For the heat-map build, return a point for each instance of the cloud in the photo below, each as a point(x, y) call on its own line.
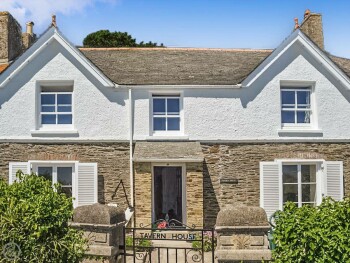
point(40, 11)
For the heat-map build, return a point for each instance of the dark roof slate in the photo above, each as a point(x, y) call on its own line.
point(175, 66)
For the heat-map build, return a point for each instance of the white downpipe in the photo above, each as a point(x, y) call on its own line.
point(131, 150)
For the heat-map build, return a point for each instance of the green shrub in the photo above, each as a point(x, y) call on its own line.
point(141, 245)
point(34, 216)
point(207, 242)
point(308, 234)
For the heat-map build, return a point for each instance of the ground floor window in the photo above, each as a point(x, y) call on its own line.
point(78, 180)
point(299, 183)
point(58, 174)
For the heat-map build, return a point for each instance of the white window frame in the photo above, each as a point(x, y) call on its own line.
point(54, 164)
point(295, 86)
point(56, 113)
point(50, 128)
point(320, 176)
point(167, 95)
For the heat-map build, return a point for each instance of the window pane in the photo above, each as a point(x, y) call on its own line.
point(303, 117)
point(288, 117)
point(288, 97)
point(290, 173)
point(64, 175)
point(64, 119)
point(159, 106)
point(173, 106)
point(159, 124)
point(47, 108)
point(67, 191)
point(47, 99)
point(173, 124)
point(303, 96)
point(45, 172)
point(64, 108)
point(290, 193)
point(308, 173)
point(308, 192)
point(64, 98)
point(48, 119)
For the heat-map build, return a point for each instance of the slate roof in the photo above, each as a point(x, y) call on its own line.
point(181, 66)
point(167, 151)
point(178, 66)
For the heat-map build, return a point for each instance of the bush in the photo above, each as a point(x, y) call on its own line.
point(308, 234)
point(141, 245)
point(207, 242)
point(34, 216)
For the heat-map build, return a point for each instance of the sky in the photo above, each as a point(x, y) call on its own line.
point(261, 24)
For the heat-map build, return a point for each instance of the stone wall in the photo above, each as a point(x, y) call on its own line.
point(10, 38)
point(112, 160)
point(241, 162)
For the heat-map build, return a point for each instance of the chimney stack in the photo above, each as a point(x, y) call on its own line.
point(30, 27)
point(28, 37)
point(313, 28)
point(10, 38)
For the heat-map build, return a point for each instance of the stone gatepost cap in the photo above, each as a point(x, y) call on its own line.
point(242, 216)
point(98, 214)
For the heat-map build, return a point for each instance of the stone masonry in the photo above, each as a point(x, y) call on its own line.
point(112, 161)
point(241, 162)
point(10, 38)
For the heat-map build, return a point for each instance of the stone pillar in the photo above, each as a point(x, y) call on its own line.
point(103, 227)
point(242, 235)
point(194, 194)
point(143, 194)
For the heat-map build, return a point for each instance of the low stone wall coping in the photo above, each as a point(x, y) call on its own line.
point(223, 228)
point(242, 216)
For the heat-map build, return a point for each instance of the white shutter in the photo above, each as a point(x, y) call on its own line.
point(270, 187)
point(87, 184)
point(334, 180)
point(14, 167)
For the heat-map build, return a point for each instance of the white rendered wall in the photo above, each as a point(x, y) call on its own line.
point(253, 113)
point(100, 113)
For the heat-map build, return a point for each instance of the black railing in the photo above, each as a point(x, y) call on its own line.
point(169, 244)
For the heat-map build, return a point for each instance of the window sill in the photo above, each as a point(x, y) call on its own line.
point(167, 137)
point(44, 132)
point(300, 132)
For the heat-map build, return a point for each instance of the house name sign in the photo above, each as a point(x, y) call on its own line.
point(174, 236)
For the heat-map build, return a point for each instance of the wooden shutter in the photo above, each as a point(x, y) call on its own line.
point(14, 167)
point(334, 180)
point(270, 187)
point(87, 184)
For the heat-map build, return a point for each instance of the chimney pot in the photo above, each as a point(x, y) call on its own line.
point(29, 29)
point(307, 13)
point(296, 21)
point(53, 23)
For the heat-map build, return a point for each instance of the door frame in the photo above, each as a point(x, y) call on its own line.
point(184, 192)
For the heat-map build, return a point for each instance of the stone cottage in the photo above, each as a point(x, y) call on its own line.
point(187, 130)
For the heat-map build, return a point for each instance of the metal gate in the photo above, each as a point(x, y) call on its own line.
point(168, 241)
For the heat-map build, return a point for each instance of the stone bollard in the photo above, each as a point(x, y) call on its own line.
point(103, 227)
point(242, 235)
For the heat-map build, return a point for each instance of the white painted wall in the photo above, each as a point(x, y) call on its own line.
point(227, 114)
point(253, 113)
point(100, 113)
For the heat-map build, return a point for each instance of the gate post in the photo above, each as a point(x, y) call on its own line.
point(103, 227)
point(242, 235)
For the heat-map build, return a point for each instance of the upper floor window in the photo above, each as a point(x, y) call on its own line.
point(166, 113)
point(56, 106)
point(296, 106)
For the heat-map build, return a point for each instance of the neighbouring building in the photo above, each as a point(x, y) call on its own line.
point(187, 130)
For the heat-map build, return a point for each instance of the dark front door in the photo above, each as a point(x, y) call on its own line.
point(167, 193)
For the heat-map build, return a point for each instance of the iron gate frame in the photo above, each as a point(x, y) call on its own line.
point(172, 226)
